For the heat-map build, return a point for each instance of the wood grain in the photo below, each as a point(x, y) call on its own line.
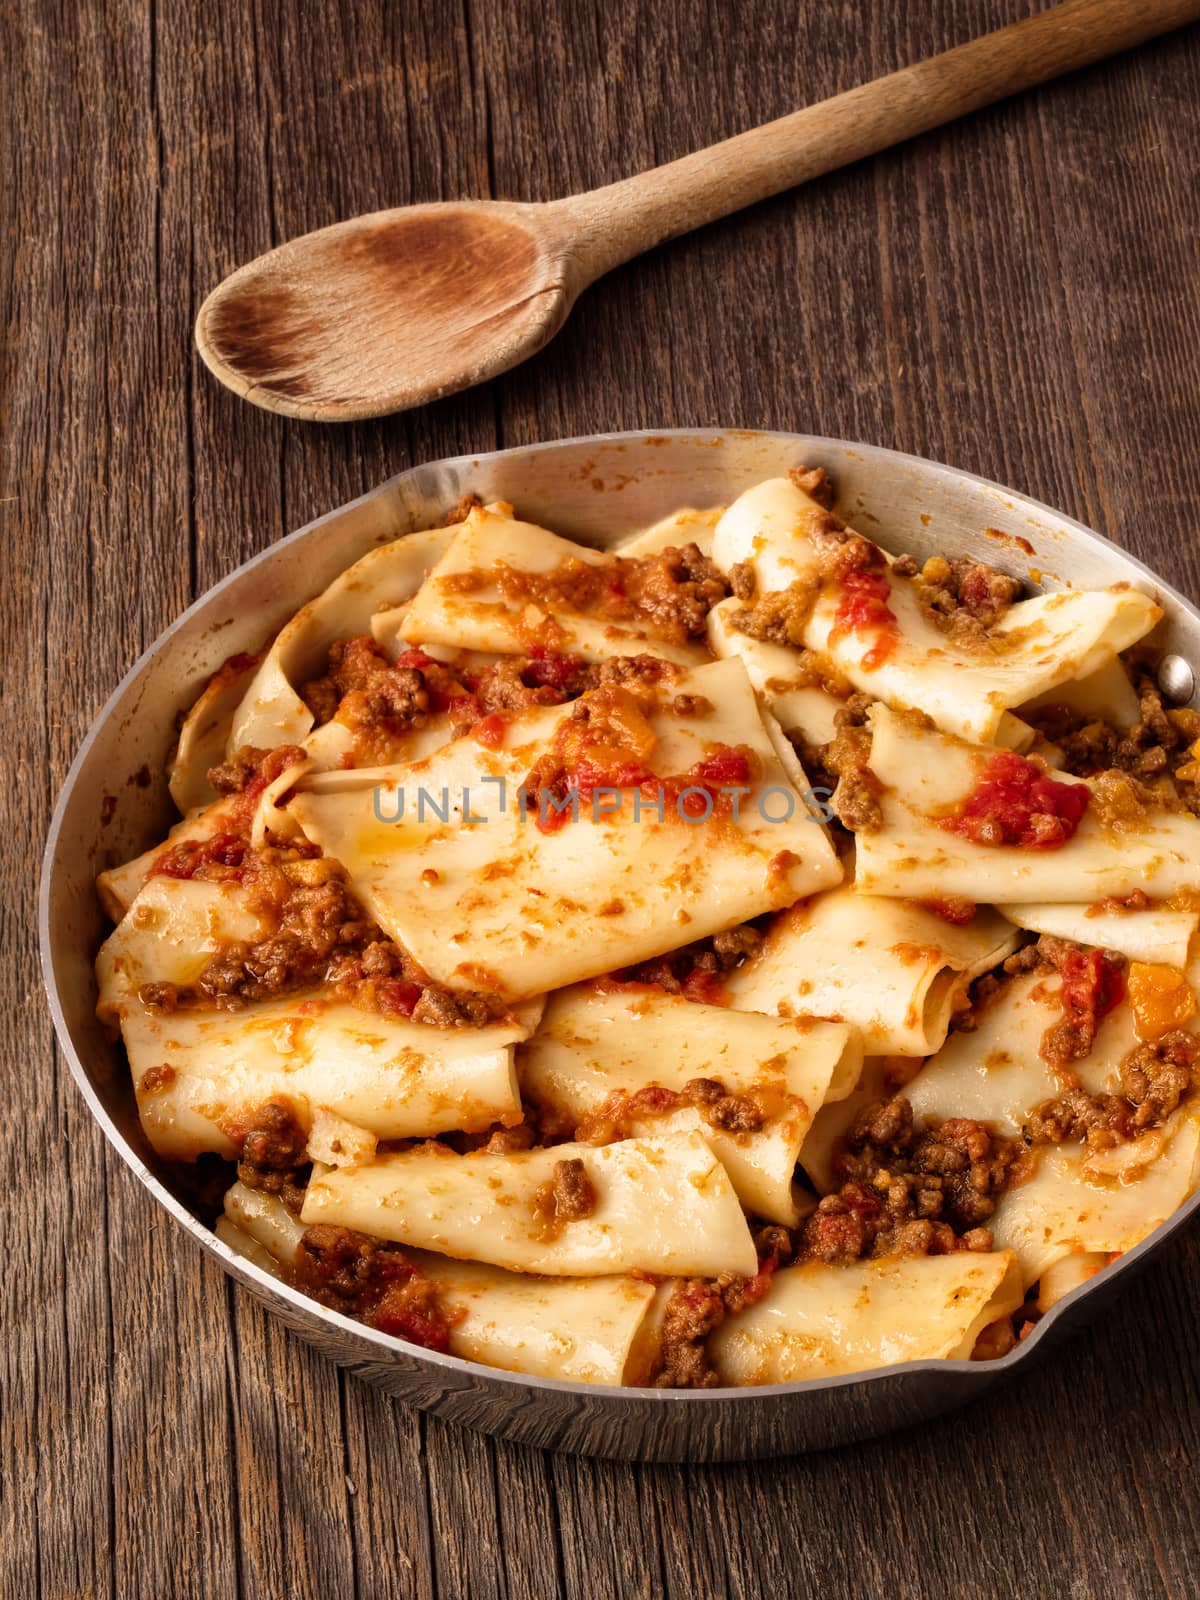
point(1016, 295)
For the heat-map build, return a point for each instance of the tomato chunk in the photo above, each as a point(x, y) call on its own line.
point(1017, 802)
point(1091, 986)
point(863, 608)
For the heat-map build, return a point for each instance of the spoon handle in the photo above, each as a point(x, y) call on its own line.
point(613, 224)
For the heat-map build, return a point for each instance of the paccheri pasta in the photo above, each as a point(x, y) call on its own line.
point(742, 957)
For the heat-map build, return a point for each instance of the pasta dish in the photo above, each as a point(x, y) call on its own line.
point(746, 956)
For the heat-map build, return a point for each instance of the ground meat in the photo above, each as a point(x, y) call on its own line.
point(845, 761)
point(501, 687)
point(1121, 803)
point(633, 672)
point(1154, 1079)
point(696, 970)
point(372, 1280)
point(815, 483)
point(159, 996)
point(735, 945)
point(1041, 955)
point(856, 801)
point(509, 1141)
point(691, 705)
point(996, 1340)
point(987, 593)
point(273, 1154)
point(695, 1310)
point(313, 922)
point(620, 1113)
point(365, 689)
point(382, 976)
point(567, 1196)
point(777, 618)
point(248, 772)
point(888, 1123)
point(516, 684)
point(380, 700)
point(782, 616)
point(855, 713)
point(1159, 742)
point(1069, 1039)
point(699, 1306)
point(155, 1079)
point(1075, 1116)
point(674, 590)
point(220, 858)
point(574, 1196)
point(233, 775)
point(460, 512)
point(447, 1008)
point(736, 1113)
point(1087, 746)
point(670, 593)
point(1144, 750)
point(320, 934)
point(742, 581)
point(911, 1192)
point(965, 598)
point(772, 1241)
point(834, 1232)
point(1092, 984)
point(980, 994)
point(905, 566)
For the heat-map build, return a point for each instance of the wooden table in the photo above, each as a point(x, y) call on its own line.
point(1017, 295)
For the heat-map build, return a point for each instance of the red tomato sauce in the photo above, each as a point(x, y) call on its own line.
point(1091, 986)
point(956, 912)
point(489, 732)
point(756, 1287)
point(190, 856)
point(863, 608)
point(547, 670)
point(726, 767)
point(1017, 802)
point(397, 997)
point(429, 1329)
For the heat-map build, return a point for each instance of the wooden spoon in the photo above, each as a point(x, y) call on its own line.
point(391, 310)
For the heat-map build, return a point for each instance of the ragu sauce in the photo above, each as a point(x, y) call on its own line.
point(611, 747)
point(1017, 802)
point(227, 854)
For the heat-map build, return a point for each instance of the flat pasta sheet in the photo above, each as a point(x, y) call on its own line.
point(586, 1330)
point(925, 776)
point(592, 1046)
point(500, 901)
point(201, 1073)
point(822, 1321)
point(893, 969)
point(776, 529)
point(663, 1205)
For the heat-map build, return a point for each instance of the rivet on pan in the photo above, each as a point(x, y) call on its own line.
point(1176, 679)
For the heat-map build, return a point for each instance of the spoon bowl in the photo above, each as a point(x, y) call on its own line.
point(389, 310)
